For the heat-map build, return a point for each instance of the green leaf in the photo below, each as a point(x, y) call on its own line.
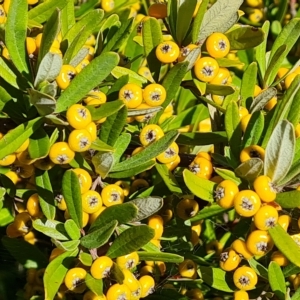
point(43, 11)
point(44, 104)
point(219, 18)
point(15, 138)
point(280, 151)
point(66, 246)
point(250, 169)
point(285, 244)
point(113, 126)
point(228, 174)
point(50, 32)
point(67, 18)
point(116, 41)
point(191, 115)
point(6, 216)
point(282, 109)
point(56, 271)
point(244, 37)
point(254, 129)
point(258, 268)
point(78, 58)
point(168, 178)
point(160, 256)
point(288, 36)
point(72, 229)
point(15, 34)
point(133, 77)
point(92, 21)
point(216, 89)
point(202, 138)
point(200, 187)
point(262, 99)
point(146, 207)
point(294, 113)
point(260, 51)
point(86, 258)
point(248, 84)
point(94, 285)
point(148, 153)
point(51, 228)
point(217, 278)
point(85, 7)
point(80, 162)
point(123, 213)
point(171, 83)
point(290, 269)
point(274, 65)
point(26, 254)
point(152, 37)
point(120, 146)
point(7, 184)
point(105, 110)
point(288, 199)
point(133, 171)
point(276, 280)
point(198, 20)
point(39, 144)
point(72, 196)
point(132, 239)
point(116, 274)
point(92, 75)
point(184, 18)
point(99, 236)
point(233, 128)
point(49, 68)
point(206, 213)
point(45, 192)
point(8, 75)
point(103, 163)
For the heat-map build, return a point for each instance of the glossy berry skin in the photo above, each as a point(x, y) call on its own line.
point(167, 52)
point(156, 222)
point(187, 208)
point(284, 221)
point(264, 188)
point(259, 242)
point(118, 292)
point(8, 160)
point(147, 285)
point(80, 140)
point(132, 283)
point(65, 76)
point(185, 51)
point(266, 217)
point(206, 69)
point(131, 94)
point(246, 203)
point(158, 10)
point(101, 267)
point(240, 295)
point(169, 154)
point(85, 179)
point(150, 134)
point(78, 116)
point(217, 45)
point(97, 95)
point(74, 280)
point(61, 153)
point(223, 77)
point(128, 261)
point(225, 193)
point(107, 5)
point(245, 278)
point(154, 94)
point(229, 260)
point(240, 247)
point(279, 258)
point(187, 269)
point(33, 206)
point(91, 201)
point(253, 151)
point(89, 295)
point(112, 194)
point(201, 167)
